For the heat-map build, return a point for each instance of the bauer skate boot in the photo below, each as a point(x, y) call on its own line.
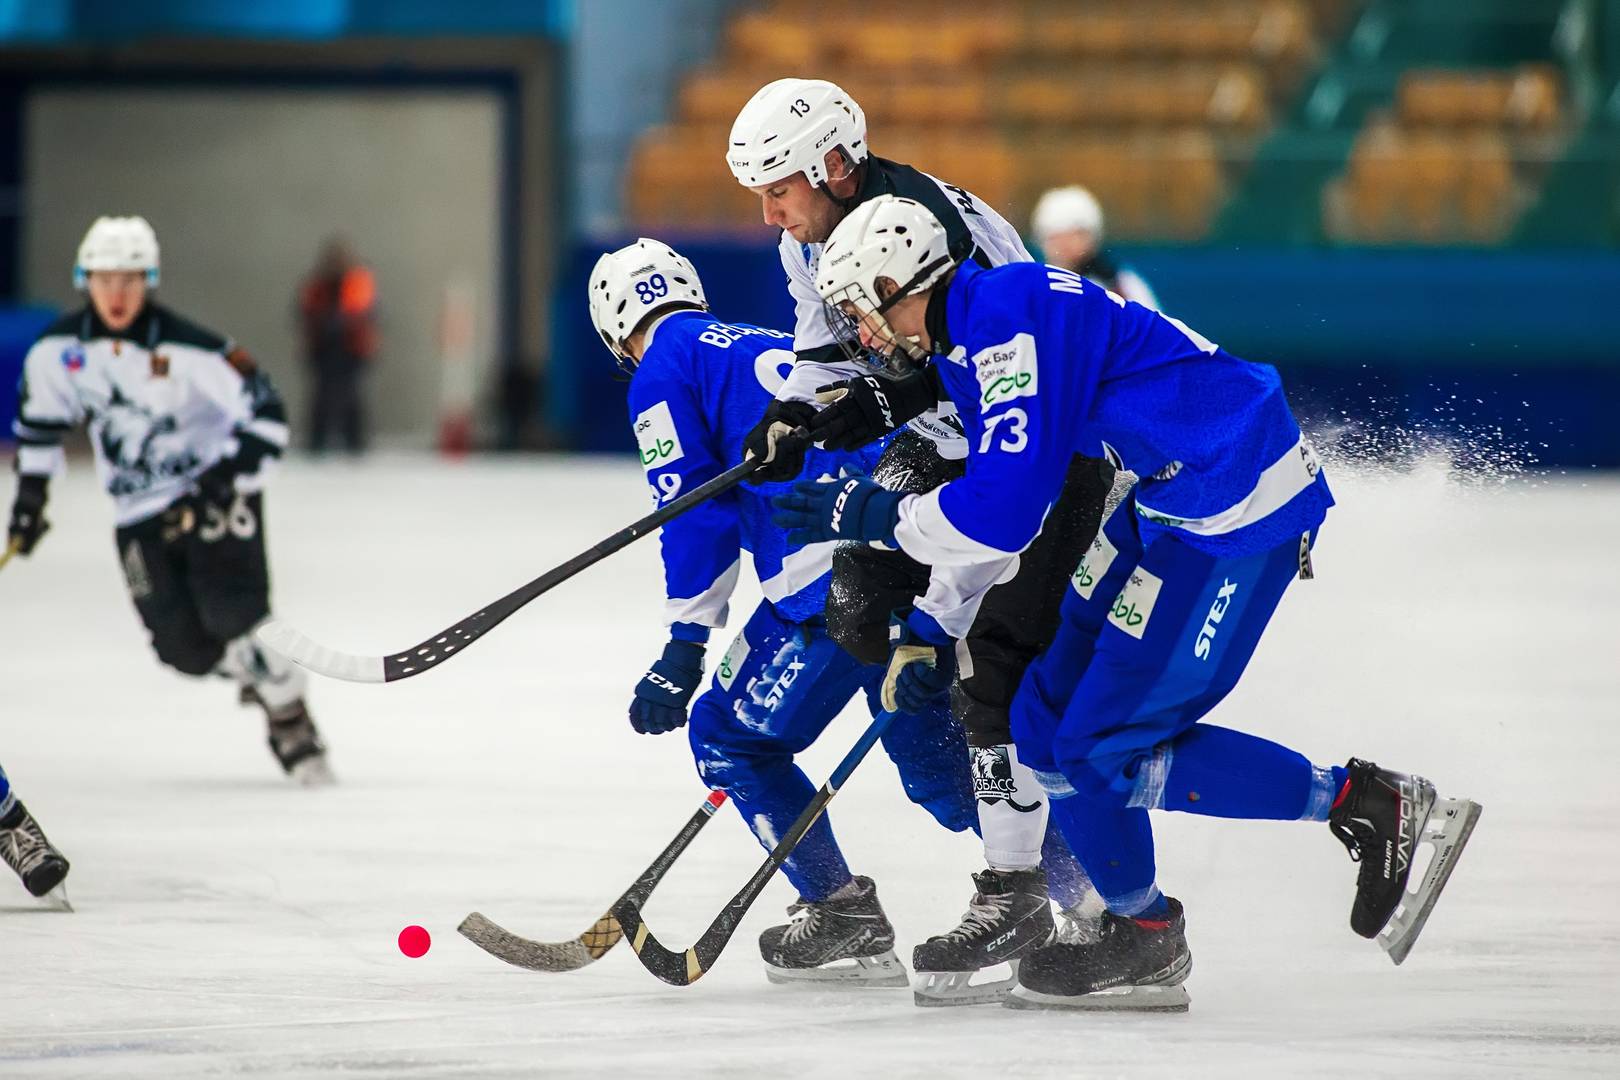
point(1135, 964)
point(1009, 916)
point(843, 942)
point(24, 848)
point(1382, 817)
point(298, 746)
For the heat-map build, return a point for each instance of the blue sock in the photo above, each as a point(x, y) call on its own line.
point(1218, 772)
point(817, 867)
point(7, 799)
point(1115, 845)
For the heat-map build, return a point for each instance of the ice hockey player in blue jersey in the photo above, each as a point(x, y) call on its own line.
point(24, 848)
point(1166, 607)
point(696, 387)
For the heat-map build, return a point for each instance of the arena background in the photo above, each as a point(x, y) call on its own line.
point(1412, 208)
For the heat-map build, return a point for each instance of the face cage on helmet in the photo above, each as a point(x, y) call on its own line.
point(907, 356)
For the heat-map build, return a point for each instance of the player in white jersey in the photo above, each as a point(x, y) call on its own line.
point(182, 422)
point(1068, 226)
point(801, 146)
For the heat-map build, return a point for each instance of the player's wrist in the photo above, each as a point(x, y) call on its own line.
point(687, 631)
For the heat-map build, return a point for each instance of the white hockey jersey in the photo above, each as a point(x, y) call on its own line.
point(164, 400)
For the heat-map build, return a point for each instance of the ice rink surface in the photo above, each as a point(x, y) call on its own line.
point(229, 924)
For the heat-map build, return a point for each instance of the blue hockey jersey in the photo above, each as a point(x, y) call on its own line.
point(1045, 364)
point(700, 387)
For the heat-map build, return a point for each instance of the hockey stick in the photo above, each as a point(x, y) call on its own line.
point(684, 969)
point(588, 947)
point(307, 652)
point(11, 549)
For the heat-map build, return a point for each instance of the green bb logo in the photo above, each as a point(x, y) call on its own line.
point(1126, 613)
point(1083, 576)
point(661, 449)
point(1007, 385)
point(725, 667)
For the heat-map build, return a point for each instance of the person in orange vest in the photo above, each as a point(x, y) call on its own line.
point(338, 304)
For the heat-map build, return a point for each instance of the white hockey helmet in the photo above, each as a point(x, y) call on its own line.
point(892, 237)
point(788, 127)
point(117, 243)
point(1066, 209)
point(635, 281)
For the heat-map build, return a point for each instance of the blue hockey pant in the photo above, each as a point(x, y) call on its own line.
point(1152, 637)
point(773, 692)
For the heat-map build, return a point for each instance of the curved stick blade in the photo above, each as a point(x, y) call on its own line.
point(306, 652)
point(676, 969)
point(537, 955)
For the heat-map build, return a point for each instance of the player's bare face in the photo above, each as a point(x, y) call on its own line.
point(804, 212)
point(117, 296)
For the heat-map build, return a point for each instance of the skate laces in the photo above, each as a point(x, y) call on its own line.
point(803, 920)
point(27, 847)
point(983, 914)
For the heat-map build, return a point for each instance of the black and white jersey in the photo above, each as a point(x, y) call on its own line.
point(973, 230)
point(164, 400)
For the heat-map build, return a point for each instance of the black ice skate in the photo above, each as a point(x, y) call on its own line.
point(844, 942)
point(1010, 915)
point(24, 848)
point(298, 746)
point(1135, 964)
point(1381, 817)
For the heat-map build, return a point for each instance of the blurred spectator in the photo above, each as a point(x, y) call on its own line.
point(338, 304)
point(1068, 226)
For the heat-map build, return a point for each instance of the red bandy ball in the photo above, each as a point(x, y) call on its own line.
point(414, 941)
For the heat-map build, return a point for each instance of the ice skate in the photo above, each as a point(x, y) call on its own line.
point(298, 746)
point(42, 868)
point(1382, 817)
point(1135, 964)
point(846, 942)
point(1010, 915)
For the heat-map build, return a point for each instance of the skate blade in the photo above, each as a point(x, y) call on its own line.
point(1446, 831)
point(313, 772)
point(57, 899)
point(945, 989)
point(1168, 999)
point(866, 972)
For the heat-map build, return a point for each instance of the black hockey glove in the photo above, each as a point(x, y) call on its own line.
point(865, 409)
point(773, 440)
point(216, 485)
point(28, 522)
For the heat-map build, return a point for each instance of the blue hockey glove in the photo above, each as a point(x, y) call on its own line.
point(922, 662)
point(664, 692)
point(853, 507)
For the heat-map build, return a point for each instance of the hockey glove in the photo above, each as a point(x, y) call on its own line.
point(922, 662)
point(28, 522)
point(774, 440)
point(664, 692)
point(216, 485)
point(863, 410)
point(853, 507)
